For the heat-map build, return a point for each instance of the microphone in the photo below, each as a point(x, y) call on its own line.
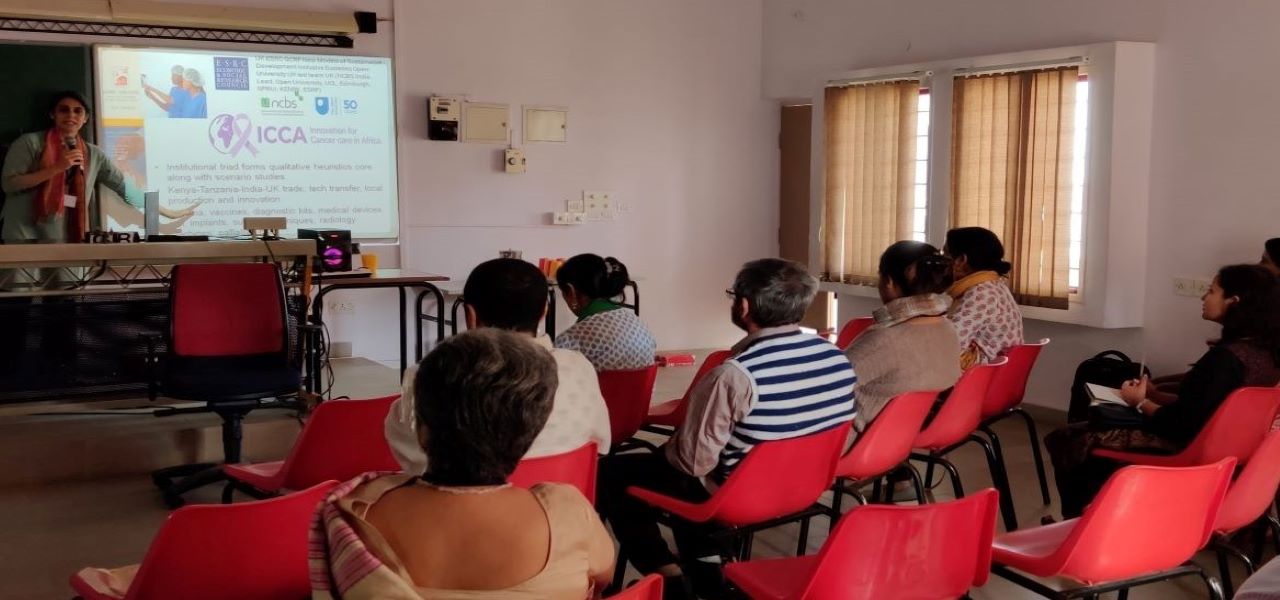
point(71, 143)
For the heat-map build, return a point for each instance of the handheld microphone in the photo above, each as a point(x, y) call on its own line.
point(71, 144)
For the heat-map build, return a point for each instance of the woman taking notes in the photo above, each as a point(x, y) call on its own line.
point(49, 179)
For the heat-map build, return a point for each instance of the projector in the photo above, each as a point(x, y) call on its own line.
point(333, 248)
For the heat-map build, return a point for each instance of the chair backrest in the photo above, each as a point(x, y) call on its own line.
point(226, 309)
point(1009, 384)
point(1236, 428)
point(248, 551)
point(1254, 490)
point(888, 440)
point(712, 361)
point(1145, 519)
point(930, 551)
point(341, 440)
point(627, 395)
point(780, 477)
point(649, 588)
point(575, 467)
point(852, 330)
point(962, 411)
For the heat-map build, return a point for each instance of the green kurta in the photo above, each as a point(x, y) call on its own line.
point(19, 205)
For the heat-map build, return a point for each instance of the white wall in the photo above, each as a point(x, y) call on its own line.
point(1213, 200)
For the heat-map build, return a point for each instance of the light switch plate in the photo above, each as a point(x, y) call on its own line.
point(575, 206)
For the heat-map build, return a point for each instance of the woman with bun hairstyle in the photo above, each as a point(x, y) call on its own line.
point(985, 315)
point(912, 345)
point(611, 336)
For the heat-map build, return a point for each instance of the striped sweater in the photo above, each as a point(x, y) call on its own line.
point(801, 384)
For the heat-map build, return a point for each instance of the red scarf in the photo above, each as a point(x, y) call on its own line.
point(49, 202)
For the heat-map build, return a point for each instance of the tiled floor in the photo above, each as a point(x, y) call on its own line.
point(49, 531)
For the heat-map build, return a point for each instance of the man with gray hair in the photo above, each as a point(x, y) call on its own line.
point(780, 383)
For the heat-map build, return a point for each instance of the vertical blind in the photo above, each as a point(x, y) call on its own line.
point(870, 134)
point(1011, 157)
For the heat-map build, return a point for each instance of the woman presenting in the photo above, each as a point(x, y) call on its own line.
point(49, 179)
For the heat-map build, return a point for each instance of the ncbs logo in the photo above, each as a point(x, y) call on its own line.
point(290, 104)
point(328, 105)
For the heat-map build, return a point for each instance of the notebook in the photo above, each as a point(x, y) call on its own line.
point(1101, 394)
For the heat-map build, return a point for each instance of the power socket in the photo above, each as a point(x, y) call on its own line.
point(1190, 287)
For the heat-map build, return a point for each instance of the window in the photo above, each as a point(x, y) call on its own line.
point(920, 207)
point(1076, 257)
point(873, 175)
point(1012, 164)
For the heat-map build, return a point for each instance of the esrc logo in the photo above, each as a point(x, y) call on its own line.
point(328, 105)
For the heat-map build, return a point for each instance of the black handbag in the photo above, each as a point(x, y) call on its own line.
point(1110, 368)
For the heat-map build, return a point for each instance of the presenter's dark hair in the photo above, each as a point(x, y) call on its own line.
point(596, 277)
point(507, 293)
point(72, 94)
point(482, 397)
point(980, 246)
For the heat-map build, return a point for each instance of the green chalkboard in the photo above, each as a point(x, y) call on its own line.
point(32, 73)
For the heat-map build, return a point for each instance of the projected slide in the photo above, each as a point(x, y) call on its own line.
point(304, 136)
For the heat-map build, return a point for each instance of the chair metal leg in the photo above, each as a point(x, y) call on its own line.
point(877, 492)
point(1000, 478)
point(917, 484)
point(935, 459)
point(619, 572)
point(228, 491)
point(1036, 454)
point(1215, 588)
point(1224, 572)
point(1124, 594)
point(802, 545)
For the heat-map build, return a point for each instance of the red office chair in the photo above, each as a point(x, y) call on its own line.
point(670, 414)
point(575, 467)
point(927, 552)
point(247, 551)
point(341, 440)
point(1004, 400)
point(1248, 502)
point(883, 448)
point(1235, 430)
point(649, 588)
point(627, 396)
point(778, 482)
point(955, 425)
point(1145, 526)
point(228, 348)
point(852, 330)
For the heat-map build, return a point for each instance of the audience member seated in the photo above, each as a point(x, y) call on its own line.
point(984, 312)
point(1271, 257)
point(912, 346)
point(779, 383)
point(1245, 300)
point(460, 530)
point(511, 294)
point(611, 336)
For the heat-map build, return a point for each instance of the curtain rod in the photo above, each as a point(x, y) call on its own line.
point(912, 76)
point(1045, 64)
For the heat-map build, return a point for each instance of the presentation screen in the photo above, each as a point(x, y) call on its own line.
point(237, 134)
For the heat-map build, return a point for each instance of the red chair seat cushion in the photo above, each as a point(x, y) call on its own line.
point(667, 413)
point(268, 476)
point(1027, 549)
point(772, 579)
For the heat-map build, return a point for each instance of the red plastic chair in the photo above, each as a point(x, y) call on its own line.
point(777, 483)
point(627, 396)
point(1004, 400)
point(341, 440)
point(1248, 502)
point(1144, 527)
point(575, 467)
point(932, 551)
point(248, 551)
point(649, 588)
point(852, 330)
point(883, 448)
point(671, 413)
point(1235, 430)
point(955, 425)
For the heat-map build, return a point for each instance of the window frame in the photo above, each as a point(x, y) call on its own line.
point(1117, 162)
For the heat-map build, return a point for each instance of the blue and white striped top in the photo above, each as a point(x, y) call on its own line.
point(801, 384)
